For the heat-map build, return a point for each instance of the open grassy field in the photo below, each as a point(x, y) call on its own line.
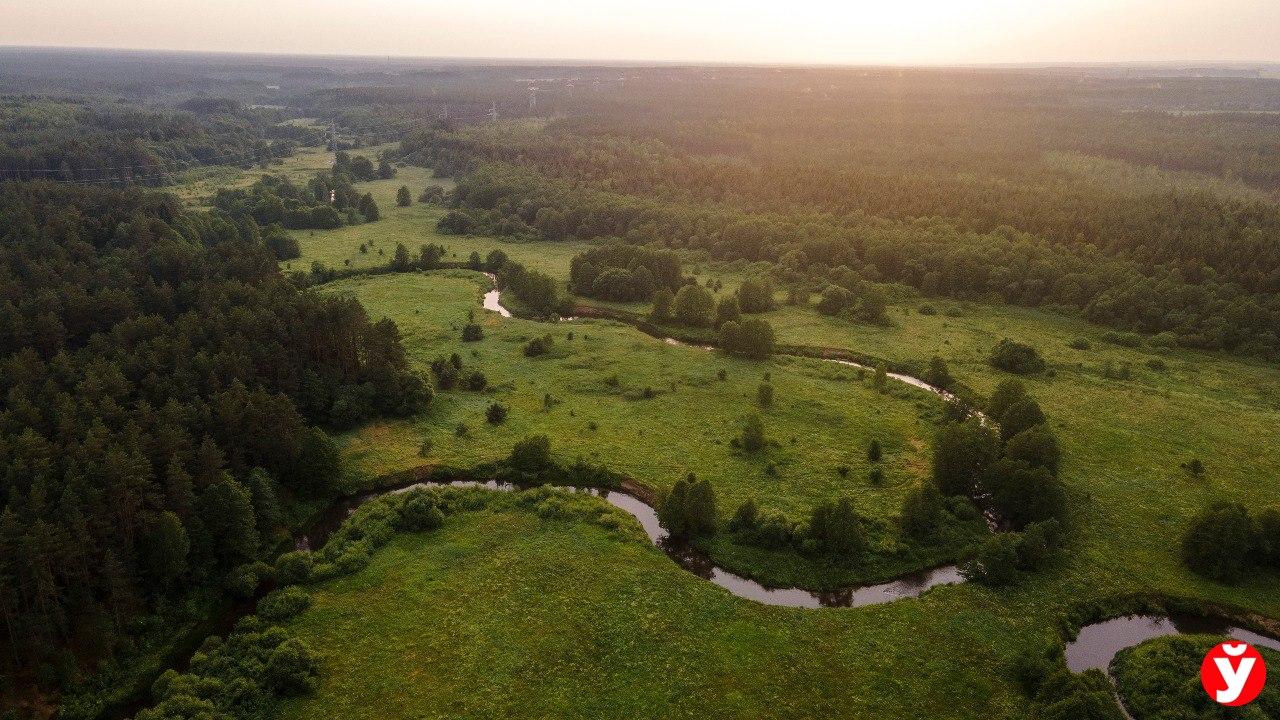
point(822, 416)
point(506, 614)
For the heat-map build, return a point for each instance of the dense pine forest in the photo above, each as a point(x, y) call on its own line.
point(166, 398)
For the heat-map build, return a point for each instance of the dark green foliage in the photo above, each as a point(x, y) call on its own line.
point(752, 338)
point(294, 568)
point(924, 510)
point(368, 208)
point(1268, 524)
point(495, 414)
point(236, 678)
point(475, 381)
point(662, 302)
point(291, 668)
point(164, 549)
point(834, 300)
point(474, 262)
point(403, 198)
point(689, 508)
point(538, 346)
point(399, 259)
point(495, 260)
point(1023, 494)
point(472, 332)
point(727, 309)
point(446, 372)
point(961, 454)
point(752, 439)
point(226, 511)
point(835, 529)
point(1220, 542)
point(1006, 393)
point(1153, 678)
point(152, 359)
point(1016, 357)
point(755, 294)
point(283, 604)
point(1038, 446)
point(319, 464)
point(536, 290)
point(996, 561)
point(746, 517)
point(1022, 415)
point(618, 271)
point(281, 243)
point(938, 375)
point(693, 305)
point(532, 455)
point(764, 394)
point(420, 512)
point(875, 476)
point(874, 451)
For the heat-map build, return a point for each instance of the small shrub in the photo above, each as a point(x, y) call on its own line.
point(1156, 364)
point(1080, 344)
point(752, 439)
point(283, 604)
point(472, 332)
point(291, 668)
point(424, 450)
point(476, 381)
point(293, 568)
point(876, 476)
point(420, 512)
point(873, 451)
point(538, 346)
point(462, 430)
point(1016, 357)
point(764, 394)
point(496, 414)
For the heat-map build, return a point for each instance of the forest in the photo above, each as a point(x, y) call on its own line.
point(404, 388)
point(168, 399)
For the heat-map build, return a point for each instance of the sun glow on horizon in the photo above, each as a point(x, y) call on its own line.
point(802, 31)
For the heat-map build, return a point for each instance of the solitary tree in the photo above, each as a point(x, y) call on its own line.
point(693, 305)
point(1219, 542)
point(403, 198)
point(753, 434)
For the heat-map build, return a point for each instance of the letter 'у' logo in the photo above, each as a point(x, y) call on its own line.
point(1233, 673)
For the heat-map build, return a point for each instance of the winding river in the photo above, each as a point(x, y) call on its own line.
point(686, 556)
point(1094, 647)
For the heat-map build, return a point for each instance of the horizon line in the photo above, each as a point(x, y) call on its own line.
point(569, 61)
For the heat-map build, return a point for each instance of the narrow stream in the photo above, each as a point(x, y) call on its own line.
point(1098, 644)
point(493, 303)
point(686, 556)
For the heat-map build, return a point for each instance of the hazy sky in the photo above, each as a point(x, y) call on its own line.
point(787, 31)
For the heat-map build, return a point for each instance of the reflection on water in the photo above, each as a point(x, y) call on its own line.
point(686, 556)
point(1098, 644)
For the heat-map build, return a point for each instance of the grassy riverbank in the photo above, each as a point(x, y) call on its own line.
point(507, 614)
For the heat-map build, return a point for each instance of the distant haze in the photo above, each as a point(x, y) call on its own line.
point(786, 31)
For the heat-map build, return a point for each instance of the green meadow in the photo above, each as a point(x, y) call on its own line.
point(508, 614)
